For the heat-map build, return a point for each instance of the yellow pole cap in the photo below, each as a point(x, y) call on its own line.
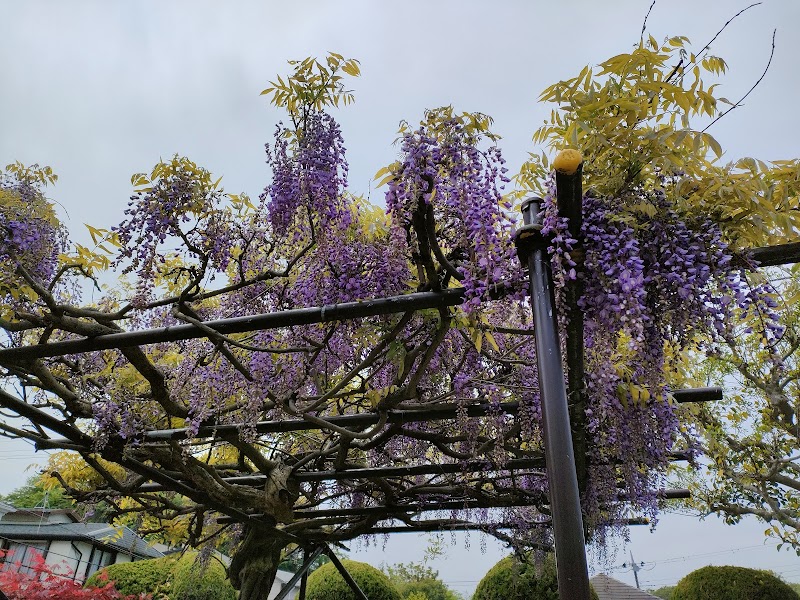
point(568, 161)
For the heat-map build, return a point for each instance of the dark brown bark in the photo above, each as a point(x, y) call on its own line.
point(255, 564)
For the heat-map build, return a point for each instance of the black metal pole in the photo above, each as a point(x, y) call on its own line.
point(300, 575)
point(430, 528)
point(276, 320)
point(360, 595)
point(565, 504)
point(442, 412)
point(303, 584)
point(258, 480)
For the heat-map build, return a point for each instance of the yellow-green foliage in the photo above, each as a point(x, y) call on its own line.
point(732, 583)
point(314, 84)
point(174, 578)
point(327, 584)
point(635, 119)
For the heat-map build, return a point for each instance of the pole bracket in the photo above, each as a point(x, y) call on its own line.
point(529, 238)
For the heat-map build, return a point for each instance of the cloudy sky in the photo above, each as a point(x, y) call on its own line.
point(100, 90)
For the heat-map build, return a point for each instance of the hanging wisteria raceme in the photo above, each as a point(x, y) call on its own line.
point(176, 216)
point(31, 238)
point(655, 282)
point(445, 166)
point(309, 176)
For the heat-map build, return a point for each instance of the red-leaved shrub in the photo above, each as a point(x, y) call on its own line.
point(42, 582)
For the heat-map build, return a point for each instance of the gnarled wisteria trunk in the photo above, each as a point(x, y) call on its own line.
point(255, 564)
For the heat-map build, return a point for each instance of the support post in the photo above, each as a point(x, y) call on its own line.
point(301, 575)
point(301, 595)
point(569, 200)
point(573, 576)
point(360, 595)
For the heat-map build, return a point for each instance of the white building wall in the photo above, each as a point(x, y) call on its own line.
point(69, 557)
point(280, 580)
point(29, 515)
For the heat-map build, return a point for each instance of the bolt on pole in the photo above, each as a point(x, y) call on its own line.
point(573, 576)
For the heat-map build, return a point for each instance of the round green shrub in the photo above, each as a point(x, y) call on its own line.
point(190, 581)
point(176, 579)
point(139, 577)
point(732, 583)
point(327, 584)
point(511, 579)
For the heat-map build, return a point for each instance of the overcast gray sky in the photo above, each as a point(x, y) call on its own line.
point(100, 90)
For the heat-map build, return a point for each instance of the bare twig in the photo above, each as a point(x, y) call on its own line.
point(644, 23)
point(728, 22)
point(677, 67)
point(739, 102)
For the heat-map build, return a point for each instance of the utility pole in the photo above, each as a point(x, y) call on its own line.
point(635, 568)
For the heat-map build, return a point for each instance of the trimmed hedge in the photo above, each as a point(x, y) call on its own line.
point(177, 579)
point(139, 577)
point(511, 579)
point(327, 584)
point(732, 583)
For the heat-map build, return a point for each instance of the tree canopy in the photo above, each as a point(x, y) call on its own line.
point(205, 385)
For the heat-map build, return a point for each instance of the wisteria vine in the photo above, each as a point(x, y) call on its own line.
point(657, 283)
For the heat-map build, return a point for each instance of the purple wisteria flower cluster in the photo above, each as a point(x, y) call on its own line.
point(31, 238)
point(653, 279)
point(309, 175)
point(179, 205)
point(443, 165)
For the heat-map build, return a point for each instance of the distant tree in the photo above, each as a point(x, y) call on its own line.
point(751, 438)
point(664, 592)
point(416, 579)
point(33, 493)
point(295, 560)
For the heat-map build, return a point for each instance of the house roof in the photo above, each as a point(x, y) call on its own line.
point(36, 515)
point(120, 539)
point(608, 588)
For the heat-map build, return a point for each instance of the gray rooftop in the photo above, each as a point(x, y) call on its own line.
point(102, 534)
point(608, 588)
